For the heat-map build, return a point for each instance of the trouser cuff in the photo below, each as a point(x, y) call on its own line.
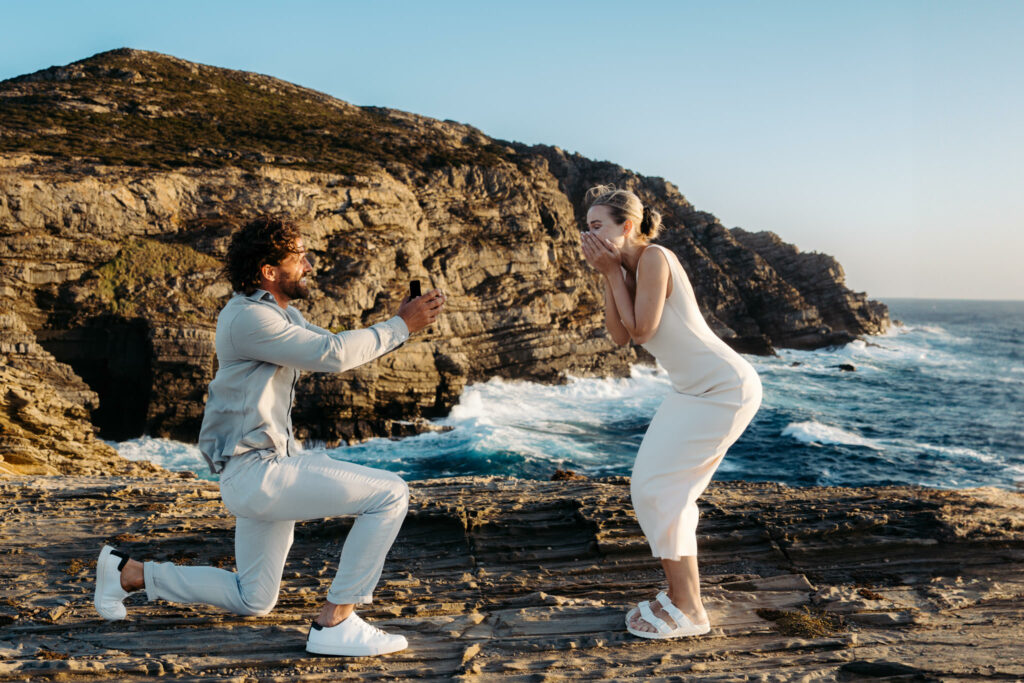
point(149, 576)
point(349, 599)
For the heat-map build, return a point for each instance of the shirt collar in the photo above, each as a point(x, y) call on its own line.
point(260, 295)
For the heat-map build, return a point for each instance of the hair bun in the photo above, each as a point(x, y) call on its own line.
point(651, 223)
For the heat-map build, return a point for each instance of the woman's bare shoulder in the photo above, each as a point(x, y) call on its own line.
point(654, 255)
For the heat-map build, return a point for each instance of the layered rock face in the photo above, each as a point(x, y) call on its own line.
point(123, 176)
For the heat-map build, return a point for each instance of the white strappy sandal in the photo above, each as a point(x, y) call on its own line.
point(683, 627)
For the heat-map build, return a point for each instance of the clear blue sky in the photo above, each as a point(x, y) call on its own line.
point(886, 133)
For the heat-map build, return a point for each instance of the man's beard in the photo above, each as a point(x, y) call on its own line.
point(294, 289)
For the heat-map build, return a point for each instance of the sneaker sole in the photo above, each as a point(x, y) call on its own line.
point(326, 650)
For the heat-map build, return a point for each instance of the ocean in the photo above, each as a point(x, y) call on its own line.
point(938, 402)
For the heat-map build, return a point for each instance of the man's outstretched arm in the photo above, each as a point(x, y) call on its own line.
point(261, 333)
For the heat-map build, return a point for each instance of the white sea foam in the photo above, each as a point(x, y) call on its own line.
point(532, 422)
point(499, 401)
point(958, 452)
point(881, 354)
point(173, 455)
point(935, 330)
point(545, 422)
point(817, 433)
point(537, 422)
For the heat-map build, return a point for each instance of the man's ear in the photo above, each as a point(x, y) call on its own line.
point(268, 272)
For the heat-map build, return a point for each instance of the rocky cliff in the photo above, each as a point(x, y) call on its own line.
point(122, 177)
point(45, 413)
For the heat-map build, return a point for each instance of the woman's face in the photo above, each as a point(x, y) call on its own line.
point(601, 223)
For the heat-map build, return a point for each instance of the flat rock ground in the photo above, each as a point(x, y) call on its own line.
point(503, 579)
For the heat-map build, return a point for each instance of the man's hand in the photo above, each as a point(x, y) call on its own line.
point(423, 310)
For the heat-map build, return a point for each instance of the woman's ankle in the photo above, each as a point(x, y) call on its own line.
point(692, 607)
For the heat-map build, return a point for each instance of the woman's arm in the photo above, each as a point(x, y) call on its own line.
point(595, 257)
point(640, 315)
point(612, 322)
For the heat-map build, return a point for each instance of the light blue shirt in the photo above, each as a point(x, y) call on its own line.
point(261, 349)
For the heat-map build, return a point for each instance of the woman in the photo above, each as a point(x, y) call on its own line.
point(648, 299)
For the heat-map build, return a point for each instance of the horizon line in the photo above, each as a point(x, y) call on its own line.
point(944, 298)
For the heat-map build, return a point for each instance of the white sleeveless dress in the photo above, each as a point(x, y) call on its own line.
point(716, 395)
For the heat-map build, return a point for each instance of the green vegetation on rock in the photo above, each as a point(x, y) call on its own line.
point(145, 269)
point(128, 107)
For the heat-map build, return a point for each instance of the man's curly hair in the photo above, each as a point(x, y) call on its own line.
point(266, 240)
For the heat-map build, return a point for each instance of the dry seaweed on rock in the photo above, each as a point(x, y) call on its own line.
point(803, 622)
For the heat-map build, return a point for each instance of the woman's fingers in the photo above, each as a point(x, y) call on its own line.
point(596, 244)
point(598, 252)
point(588, 252)
point(592, 249)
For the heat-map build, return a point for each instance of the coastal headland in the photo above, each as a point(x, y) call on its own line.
point(123, 175)
point(514, 580)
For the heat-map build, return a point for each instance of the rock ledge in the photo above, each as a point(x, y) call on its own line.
point(504, 579)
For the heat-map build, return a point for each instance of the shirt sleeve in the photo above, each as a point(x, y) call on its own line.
point(262, 334)
point(314, 328)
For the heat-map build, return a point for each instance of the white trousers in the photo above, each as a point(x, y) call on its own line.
point(268, 493)
point(681, 450)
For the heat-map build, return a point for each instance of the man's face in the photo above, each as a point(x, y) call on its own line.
point(292, 273)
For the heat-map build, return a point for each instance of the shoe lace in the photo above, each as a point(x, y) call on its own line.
point(373, 629)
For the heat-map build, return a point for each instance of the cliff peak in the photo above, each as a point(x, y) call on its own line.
point(146, 109)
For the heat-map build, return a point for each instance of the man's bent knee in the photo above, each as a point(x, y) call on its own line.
point(256, 608)
point(256, 604)
point(401, 494)
point(397, 499)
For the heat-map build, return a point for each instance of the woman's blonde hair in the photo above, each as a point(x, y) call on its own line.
point(624, 204)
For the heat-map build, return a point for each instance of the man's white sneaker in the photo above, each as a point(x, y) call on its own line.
point(109, 595)
point(352, 638)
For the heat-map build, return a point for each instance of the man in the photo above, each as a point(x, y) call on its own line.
point(246, 436)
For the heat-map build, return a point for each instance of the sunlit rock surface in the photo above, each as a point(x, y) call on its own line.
point(498, 579)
